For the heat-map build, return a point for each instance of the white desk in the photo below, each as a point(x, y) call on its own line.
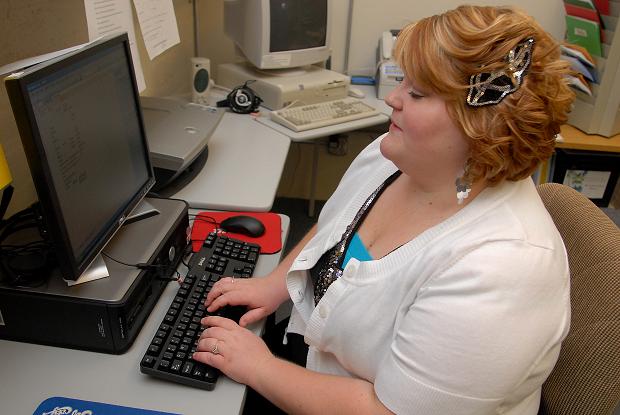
point(247, 156)
point(32, 373)
point(310, 135)
point(313, 136)
point(243, 169)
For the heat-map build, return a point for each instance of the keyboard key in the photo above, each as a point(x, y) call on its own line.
point(153, 349)
point(211, 373)
point(187, 368)
point(148, 361)
point(164, 365)
point(176, 365)
point(198, 372)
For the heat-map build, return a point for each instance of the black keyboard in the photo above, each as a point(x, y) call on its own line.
point(169, 356)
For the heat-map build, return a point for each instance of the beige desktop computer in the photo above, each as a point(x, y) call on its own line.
point(281, 87)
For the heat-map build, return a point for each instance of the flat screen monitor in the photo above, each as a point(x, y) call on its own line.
point(275, 34)
point(81, 126)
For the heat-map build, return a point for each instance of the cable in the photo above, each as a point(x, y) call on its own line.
point(139, 265)
point(203, 217)
point(28, 263)
point(294, 102)
point(221, 87)
point(145, 266)
point(22, 216)
point(7, 194)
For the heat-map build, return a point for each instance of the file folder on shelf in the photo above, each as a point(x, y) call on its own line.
point(584, 32)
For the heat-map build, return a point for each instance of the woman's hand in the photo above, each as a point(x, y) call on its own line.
point(262, 296)
point(234, 350)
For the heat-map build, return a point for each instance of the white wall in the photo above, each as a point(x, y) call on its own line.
point(371, 17)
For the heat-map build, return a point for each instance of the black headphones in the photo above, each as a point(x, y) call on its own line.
point(241, 100)
point(29, 264)
point(27, 268)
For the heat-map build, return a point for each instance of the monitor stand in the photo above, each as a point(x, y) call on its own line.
point(95, 271)
point(98, 268)
point(142, 211)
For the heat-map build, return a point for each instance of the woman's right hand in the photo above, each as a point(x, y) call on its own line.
point(262, 296)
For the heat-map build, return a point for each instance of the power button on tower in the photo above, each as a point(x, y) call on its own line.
point(172, 253)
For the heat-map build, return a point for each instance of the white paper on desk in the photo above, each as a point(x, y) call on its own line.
point(105, 17)
point(158, 24)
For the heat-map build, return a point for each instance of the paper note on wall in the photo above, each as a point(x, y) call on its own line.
point(105, 17)
point(158, 24)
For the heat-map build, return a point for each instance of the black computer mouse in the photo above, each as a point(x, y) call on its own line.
point(244, 225)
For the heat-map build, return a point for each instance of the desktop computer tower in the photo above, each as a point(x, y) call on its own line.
point(281, 87)
point(104, 315)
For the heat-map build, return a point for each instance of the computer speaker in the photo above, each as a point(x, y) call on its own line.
point(201, 80)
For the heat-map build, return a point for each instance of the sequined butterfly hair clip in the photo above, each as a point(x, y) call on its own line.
point(491, 88)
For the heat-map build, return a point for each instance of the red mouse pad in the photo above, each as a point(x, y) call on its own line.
point(270, 242)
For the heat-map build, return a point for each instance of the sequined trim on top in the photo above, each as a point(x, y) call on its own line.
point(331, 269)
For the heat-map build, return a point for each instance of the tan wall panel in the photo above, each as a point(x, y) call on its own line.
point(34, 27)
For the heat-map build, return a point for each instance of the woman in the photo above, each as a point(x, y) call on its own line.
point(435, 281)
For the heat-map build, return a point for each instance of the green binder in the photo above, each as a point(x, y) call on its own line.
point(584, 32)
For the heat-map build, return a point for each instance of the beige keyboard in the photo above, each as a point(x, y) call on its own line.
point(307, 117)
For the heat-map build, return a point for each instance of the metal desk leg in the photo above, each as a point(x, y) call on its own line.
point(315, 167)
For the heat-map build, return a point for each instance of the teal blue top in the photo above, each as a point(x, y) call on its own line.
point(356, 250)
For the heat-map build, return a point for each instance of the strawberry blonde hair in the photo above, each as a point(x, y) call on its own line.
point(510, 139)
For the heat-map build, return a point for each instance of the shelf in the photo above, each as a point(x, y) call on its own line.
point(578, 140)
point(599, 113)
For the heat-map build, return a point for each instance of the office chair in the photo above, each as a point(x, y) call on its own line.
point(586, 378)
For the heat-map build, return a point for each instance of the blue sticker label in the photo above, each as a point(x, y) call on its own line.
point(67, 406)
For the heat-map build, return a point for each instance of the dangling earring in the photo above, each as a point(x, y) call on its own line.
point(463, 186)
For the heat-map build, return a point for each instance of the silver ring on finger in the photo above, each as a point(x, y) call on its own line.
point(214, 350)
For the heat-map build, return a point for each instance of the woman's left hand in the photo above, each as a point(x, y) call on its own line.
point(233, 349)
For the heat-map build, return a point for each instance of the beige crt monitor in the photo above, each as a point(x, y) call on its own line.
point(280, 34)
point(282, 41)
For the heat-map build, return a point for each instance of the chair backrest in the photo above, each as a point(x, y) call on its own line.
point(586, 378)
